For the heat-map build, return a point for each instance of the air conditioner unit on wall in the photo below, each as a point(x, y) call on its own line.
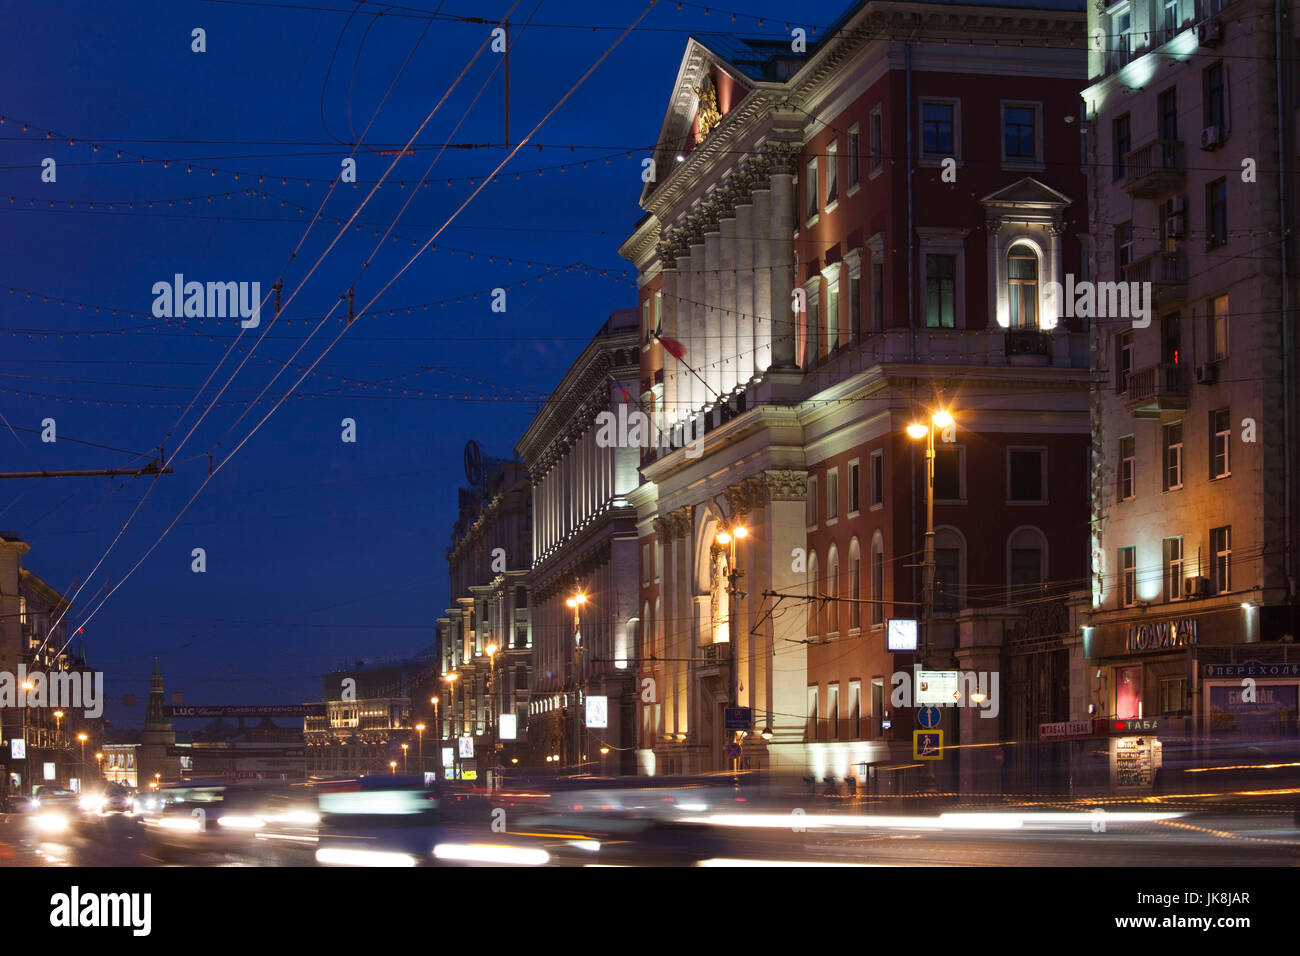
point(1210, 32)
point(1197, 587)
point(1207, 374)
point(1210, 138)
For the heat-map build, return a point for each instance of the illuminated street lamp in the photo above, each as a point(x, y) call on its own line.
point(491, 651)
point(576, 602)
point(451, 677)
point(58, 727)
point(404, 746)
point(419, 729)
point(83, 738)
point(99, 764)
point(734, 594)
point(393, 765)
point(940, 419)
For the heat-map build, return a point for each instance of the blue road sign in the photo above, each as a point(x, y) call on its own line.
point(733, 751)
point(927, 745)
point(928, 717)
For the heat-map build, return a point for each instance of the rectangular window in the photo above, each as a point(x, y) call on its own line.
point(1128, 576)
point(1220, 442)
point(1219, 327)
point(877, 478)
point(1169, 23)
point(1123, 361)
point(855, 307)
point(1019, 132)
point(1173, 445)
point(1173, 695)
point(1221, 552)
point(855, 489)
point(948, 484)
point(855, 709)
point(832, 494)
point(938, 126)
point(812, 501)
point(645, 564)
point(659, 311)
point(1168, 107)
point(1127, 468)
point(876, 131)
point(832, 174)
point(877, 707)
point(1121, 143)
point(1121, 29)
point(833, 711)
point(812, 714)
point(1216, 214)
point(832, 318)
point(646, 327)
point(810, 191)
point(659, 558)
point(1123, 247)
point(1173, 561)
point(877, 586)
point(1025, 474)
point(877, 296)
point(1214, 100)
point(854, 156)
point(940, 291)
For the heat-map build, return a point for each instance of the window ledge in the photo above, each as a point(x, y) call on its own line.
point(853, 514)
point(811, 222)
point(875, 172)
point(937, 160)
point(831, 522)
point(950, 501)
point(877, 506)
point(831, 206)
point(853, 189)
point(1032, 502)
point(1024, 165)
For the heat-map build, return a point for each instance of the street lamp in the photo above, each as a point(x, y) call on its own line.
point(419, 729)
point(83, 738)
point(99, 764)
point(58, 727)
point(404, 746)
point(728, 539)
point(450, 677)
point(940, 419)
point(491, 651)
point(393, 765)
point(576, 602)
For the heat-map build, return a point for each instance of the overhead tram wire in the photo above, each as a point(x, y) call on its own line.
point(581, 80)
point(207, 381)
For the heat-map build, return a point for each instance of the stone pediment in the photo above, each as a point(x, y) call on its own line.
point(1028, 193)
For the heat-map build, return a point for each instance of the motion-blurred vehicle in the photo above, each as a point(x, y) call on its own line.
point(399, 821)
point(196, 820)
point(53, 810)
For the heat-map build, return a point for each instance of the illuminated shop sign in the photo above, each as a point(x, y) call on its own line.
point(1252, 669)
point(1161, 635)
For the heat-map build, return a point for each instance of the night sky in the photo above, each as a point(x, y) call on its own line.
point(318, 552)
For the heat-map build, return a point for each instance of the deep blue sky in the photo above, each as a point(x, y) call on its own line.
point(318, 552)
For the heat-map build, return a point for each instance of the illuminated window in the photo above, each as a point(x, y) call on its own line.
point(1127, 468)
point(1220, 443)
point(1022, 286)
point(1221, 556)
point(1173, 453)
point(1128, 576)
point(1173, 560)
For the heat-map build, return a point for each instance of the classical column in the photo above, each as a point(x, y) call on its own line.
point(727, 320)
point(695, 347)
point(782, 158)
point(668, 256)
point(783, 492)
point(762, 251)
point(746, 323)
point(711, 314)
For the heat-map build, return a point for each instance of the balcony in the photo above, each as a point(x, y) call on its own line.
point(1155, 170)
point(1028, 346)
point(1157, 389)
point(1167, 273)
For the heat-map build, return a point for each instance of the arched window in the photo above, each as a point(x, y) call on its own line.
point(1022, 282)
point(1026, 563)
point(855, 585)
point(833, 590)
point(812, 590)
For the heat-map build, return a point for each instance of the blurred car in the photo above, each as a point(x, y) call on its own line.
point(52, 810)
point(194, 820)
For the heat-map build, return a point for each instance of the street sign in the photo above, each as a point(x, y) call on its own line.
point(466, 745)
point(17, 749)
point(937, 687)
point(733, 751)
point(927, 745)
point(597, 711)
point(929, 717)
point(738, 718)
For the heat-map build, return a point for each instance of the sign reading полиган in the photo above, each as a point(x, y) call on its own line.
point(1160, 635)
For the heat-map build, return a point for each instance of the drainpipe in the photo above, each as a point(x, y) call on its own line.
point(1288, 341)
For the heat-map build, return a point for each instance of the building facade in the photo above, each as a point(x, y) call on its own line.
point(486, 639)
point(365, 722)
point(583, 577)
point(842, 243)
point(1192, 144)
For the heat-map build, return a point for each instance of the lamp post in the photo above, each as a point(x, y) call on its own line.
point(82, 773)
point(58, 728)
point(393, 766)
point(576, 602)
point(99, 765)
point(404, 748)
point(939, 419)
point(419, 729)
point(729, 539)
point(491, 651)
